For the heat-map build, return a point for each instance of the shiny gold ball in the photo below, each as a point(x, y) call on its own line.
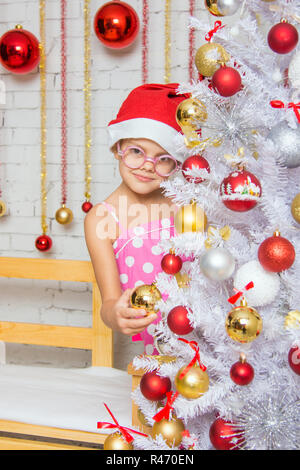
point(145, 297)
point(243, 324)
point(295, 208)
point(193, 384)
point(212, 6)
point(171, 430)
point(292, 320)
point(209, 57)
point(190, 218)
point(64, 215)
point(190, 113)
point(2, 208)
point(116, 441)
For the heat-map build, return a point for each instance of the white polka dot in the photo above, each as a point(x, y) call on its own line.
point(151, 329)
point(129, 261)
point(149, 349)
point(137, 242)
point(156, 250)
point(165, 222)
point(139, 283)
point(148, 267)
point(138, 230)
point(123, 278)
point(117, 255)
point(165, 234)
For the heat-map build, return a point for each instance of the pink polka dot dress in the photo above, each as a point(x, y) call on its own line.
point(138, 257)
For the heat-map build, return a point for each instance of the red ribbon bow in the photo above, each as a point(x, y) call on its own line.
point(294, 106)
point(195, 359)
point(218, 25)
point(124, 431)
point(239, 293)
point(165, 412)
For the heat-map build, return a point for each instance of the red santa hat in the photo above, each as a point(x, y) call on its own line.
point(149, 112)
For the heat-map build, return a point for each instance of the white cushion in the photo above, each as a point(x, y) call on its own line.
point(65, 398)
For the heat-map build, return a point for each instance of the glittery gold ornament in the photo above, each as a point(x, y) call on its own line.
point(145, 297)
point(193, 384)
point(295, 208)
point(243, 323)
point(171, 430)
point(190, 114)
point(190, 218)
point(2, 208)
point(116, 441)
point(209, 57)
point(292, 320)
point(64, 215)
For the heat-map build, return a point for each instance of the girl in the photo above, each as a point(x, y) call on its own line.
point(122, 233)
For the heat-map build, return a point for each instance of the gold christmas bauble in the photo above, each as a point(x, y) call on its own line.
point(171, 430)
point(295, 208)
point(243, 324)
point(190, 113)
point(209, 57)
point(190, 218)
point(292, 320)
point(2, 208)
point(193, 384)
point(145, 297)
point(64, 215)
point(116, 441)
point(212, 6)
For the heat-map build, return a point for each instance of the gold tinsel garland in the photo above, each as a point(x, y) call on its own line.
point(87, 99)
point(167, 42)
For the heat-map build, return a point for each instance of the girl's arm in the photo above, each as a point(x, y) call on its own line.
point(115, 312)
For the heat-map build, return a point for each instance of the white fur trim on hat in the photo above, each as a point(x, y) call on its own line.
point(144, 128)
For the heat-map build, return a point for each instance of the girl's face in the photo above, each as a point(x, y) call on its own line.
point(143, 180)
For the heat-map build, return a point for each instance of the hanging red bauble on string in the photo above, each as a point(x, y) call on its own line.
point(19, 51)
point(227, 81)
point(224, 436)
point(276, 253)
point(240, 191)
point(283, 37)
point(116, 24)
point(154, 387)
point(171, 263)
point(196, 161)
point(242, 372)
point(178, 321)
point(86, 206)
point(294, 359)
point(43, 242)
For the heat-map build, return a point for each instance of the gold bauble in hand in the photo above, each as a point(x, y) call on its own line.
point(295, 208)
point(191, 113)
point(145, 297)
point(194, 383)
point(292, 320)
point(64, 215)
point(243, 323)
point(209, 57)
point(2, 208)
point(116, 441)
point(171, 430)
point(190, 218)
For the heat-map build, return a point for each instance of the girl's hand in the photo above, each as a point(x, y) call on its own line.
point(128, 320)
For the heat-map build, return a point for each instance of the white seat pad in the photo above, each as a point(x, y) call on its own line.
point(65, 398)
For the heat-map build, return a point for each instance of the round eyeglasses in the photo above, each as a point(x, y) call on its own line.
point(135, 157)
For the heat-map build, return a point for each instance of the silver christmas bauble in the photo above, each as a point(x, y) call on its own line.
point(228, 7)
point(217, 264)
point(287, 140)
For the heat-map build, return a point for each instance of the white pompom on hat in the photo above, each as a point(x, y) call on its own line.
point(149, 112)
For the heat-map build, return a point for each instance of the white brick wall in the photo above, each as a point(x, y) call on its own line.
point(114, 73)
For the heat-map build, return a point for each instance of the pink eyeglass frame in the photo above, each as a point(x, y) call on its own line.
point(147, 158)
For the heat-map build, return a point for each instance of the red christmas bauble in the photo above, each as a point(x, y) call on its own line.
point(283, 37)
point(116, 24)
point(276, 254)
point(178, 321)
point(240, 191)
point(294, 359)
point(86, 206)
point(154, 387)
point(196, 161)
point(241, 373)
point(19, 51)
point(171, 263)
point(227, 81)
point(222, 437)
point(43, 243)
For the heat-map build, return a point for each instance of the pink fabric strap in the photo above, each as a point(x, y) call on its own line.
point(112, 211)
